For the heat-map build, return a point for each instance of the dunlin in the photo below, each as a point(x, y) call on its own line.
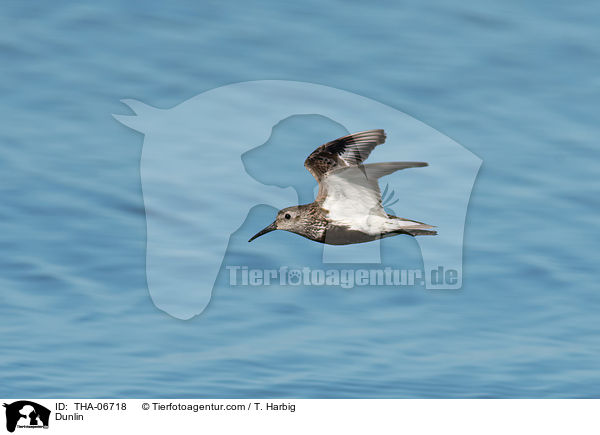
point(348, 206)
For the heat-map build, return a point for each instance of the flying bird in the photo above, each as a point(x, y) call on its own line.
point(348, 207)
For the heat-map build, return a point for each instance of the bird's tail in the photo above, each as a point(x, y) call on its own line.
point(420, 232)
point(412, 228)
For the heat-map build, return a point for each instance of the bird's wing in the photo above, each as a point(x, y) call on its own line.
point(344, 152)
point(351, 193)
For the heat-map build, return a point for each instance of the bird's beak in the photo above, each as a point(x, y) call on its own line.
point(268, 229)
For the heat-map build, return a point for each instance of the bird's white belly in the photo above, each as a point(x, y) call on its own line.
point(354, 206)
point(367, 223)
point(370, 222)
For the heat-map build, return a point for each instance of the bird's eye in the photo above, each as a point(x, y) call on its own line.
point(288, 216)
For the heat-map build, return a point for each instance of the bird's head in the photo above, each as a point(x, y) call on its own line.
point(289, 219)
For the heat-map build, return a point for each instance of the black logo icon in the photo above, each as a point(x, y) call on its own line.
point(29, 414)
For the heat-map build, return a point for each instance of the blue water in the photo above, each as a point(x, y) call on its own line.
point(515, 83)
